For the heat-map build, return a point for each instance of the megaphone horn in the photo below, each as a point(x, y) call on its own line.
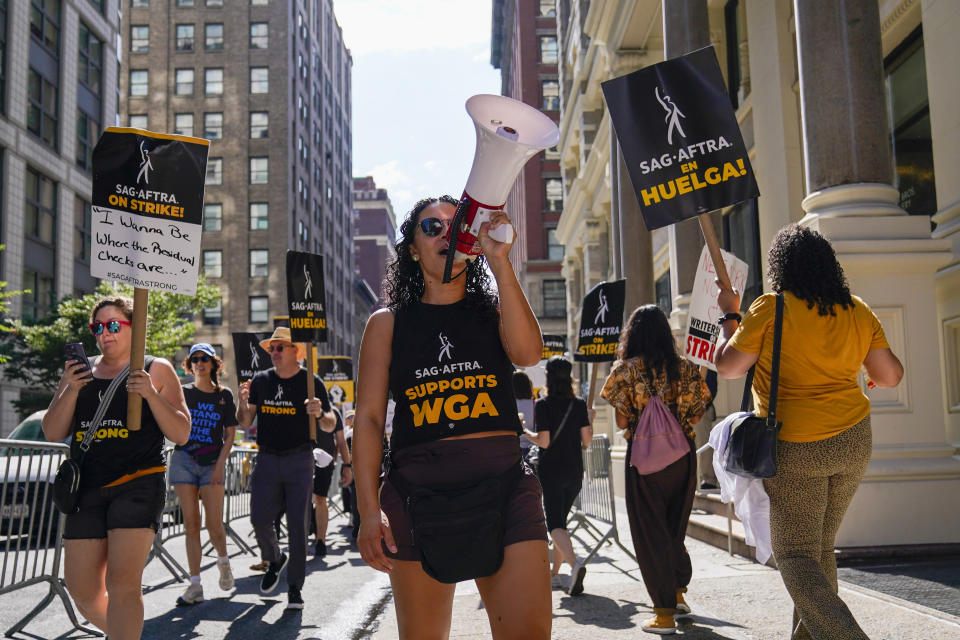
point(509, 133)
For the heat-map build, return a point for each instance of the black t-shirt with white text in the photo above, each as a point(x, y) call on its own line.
point(210, 414)
point(282, 420)
point(564, 455)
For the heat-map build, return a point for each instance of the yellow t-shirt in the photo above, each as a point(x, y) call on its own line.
point(820, 356)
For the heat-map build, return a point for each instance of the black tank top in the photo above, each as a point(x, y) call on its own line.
point(116, 450)
point(449, 375)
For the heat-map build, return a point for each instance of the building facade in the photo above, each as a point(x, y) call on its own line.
point(524, 48)
point(376, 233)
point(268, 82)
point(58, 90)
point(865, 153)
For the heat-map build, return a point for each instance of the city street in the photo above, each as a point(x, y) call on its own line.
point(732, 598)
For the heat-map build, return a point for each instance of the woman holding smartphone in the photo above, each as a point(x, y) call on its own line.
point(122, 489)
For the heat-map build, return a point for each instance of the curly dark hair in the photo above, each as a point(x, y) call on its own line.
point(559, 377)
point(403, 285)
point(648, 335)
point(803, 263)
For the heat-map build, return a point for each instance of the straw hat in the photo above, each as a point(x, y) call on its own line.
point(282, 334)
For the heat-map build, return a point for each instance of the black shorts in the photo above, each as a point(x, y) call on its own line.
point(559, 492)
point(137, 504)
point(322, 479)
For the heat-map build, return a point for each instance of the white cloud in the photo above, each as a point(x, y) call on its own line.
point(389, 175)
point(371, 26)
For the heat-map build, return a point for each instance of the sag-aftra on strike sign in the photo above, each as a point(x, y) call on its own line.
point(680, 138)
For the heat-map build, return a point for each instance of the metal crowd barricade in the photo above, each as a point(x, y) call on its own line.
point(594, 509)
point(31, 528)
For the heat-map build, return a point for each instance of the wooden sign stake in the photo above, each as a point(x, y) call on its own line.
point(138, 345)
point(719, 266)
point(593, 385)
point(311, 391)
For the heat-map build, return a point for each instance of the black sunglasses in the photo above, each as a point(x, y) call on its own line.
point(275, 347)
point(432, 227)
point(201, 358)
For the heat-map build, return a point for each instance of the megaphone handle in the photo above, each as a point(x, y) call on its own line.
point(455, 225)
point(503, 233)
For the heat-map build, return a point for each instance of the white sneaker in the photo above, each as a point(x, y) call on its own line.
point(226, 575)
point(192, 595)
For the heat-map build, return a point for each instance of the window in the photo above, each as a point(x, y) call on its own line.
point(213, 81)
point(139, 81)
point(39, 302)
point(259, 80)
point(259, 124)
point(81, 230)
point(213, 36)
point(738, 74)
point(554, 248)
point(213, 216)
point(139, 121)
point(213, 263)
point(88, 131)
point(258, 215)
point(139, 38)
point(40, 210)
point(550, 92)
point(214, 3)
point(259, 170)
point(184, 37)
point(554, 298)
point(214, 171)
point(3, 62)
point(90, 61)
point(553, 194)
point(548, 49)
point(741, 236)
point(42, 113)
point(45, 24)
point(213, 315)
point(662, 292)
point(548, 8)
point(259, 309)
point(139, 3)
point(183, 79)
point(184, 3)
point(259, 36)
point(183, 124)
point(260, 2)
point(213, 125)
point(909, 113)
point(259, 263)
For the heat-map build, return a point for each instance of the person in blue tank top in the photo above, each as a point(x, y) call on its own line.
point(446, 352)
point(122, 488)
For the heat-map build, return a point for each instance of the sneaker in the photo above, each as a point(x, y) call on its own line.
point(576, 579)
point(321, 549)
point(661, 624)
point(682, 606)
point(294, 599)
point(272, 577)
point(192, 595)
point(226, 575)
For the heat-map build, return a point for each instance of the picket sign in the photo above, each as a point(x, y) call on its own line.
point(700, 339)
point(306, 301)
point(601, 320)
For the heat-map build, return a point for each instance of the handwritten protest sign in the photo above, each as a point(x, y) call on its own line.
point(700, 342)
point(337, 374)
point(305, 297)
point(680, 138)
point(147, 209)
point(601, 318)
point(553, 345)
point(249, 355)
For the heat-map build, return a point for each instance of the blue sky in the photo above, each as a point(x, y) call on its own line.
point(415, 63)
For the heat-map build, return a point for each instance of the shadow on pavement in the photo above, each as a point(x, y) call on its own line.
point(599, 611)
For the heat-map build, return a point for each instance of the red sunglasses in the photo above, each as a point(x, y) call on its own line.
point(113, 326)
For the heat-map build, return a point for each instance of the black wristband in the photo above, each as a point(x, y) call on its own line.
point(347, 465)
point(733, 315)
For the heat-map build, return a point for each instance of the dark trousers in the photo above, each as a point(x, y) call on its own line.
point(658, 507)
point(287, 481)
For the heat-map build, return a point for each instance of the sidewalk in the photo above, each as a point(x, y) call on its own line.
point(732, 598)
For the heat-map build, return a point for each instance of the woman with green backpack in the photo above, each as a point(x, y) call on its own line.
point(659, 398)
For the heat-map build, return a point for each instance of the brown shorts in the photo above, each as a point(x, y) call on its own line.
point(445, 462)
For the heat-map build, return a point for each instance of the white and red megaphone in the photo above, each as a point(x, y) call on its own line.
point(509, 133)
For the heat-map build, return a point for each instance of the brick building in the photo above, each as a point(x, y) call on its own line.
point(376, 232)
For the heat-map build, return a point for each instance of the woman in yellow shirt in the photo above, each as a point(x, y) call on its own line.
point(825, 442)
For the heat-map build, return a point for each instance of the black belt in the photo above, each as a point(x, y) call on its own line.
point(282, 453)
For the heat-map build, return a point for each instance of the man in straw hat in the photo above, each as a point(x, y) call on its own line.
point(284, 471)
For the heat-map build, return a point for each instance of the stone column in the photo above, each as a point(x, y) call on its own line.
point(890, 260)
point(636, 248)
point(686, 28)
point(615, 203)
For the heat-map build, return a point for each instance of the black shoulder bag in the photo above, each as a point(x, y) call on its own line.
point(66, 484)
point(752, 447)
point(533, 458)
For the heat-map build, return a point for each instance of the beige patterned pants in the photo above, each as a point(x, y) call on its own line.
point(814, 485)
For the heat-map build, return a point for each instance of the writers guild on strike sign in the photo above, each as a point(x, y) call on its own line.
point(700, 341)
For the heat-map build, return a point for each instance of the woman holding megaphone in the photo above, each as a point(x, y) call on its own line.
point(457, 503)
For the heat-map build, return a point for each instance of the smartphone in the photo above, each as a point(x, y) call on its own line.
point(74, 351)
